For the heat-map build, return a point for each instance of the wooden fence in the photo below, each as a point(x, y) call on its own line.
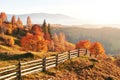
point(21, 69)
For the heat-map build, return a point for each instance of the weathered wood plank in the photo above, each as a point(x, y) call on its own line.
point(8, 75)
point(39, 60)
point(40, 66)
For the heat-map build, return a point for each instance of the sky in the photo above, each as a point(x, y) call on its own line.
point(91, 11)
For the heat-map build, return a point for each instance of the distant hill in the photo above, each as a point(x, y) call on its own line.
point(109, 37)
point(50, 18)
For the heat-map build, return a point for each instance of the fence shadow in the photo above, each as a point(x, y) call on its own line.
point(6, 56)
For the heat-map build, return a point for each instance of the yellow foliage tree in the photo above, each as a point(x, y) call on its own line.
point(9, 41)
point(7, 27)
point(19, 23)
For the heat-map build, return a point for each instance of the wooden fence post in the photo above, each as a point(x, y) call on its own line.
point(56, 59)
point(78, 52)
point(19, 71)
point(44, 64)
point(69, 56)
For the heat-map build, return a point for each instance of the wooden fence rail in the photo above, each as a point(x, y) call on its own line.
point(21, 69)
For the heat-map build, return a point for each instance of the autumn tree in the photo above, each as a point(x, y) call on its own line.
point(62, 41)
point(61, 44)
point(0, 25)
point(9, 41)
point(7, 27)
point(3, 16)
point(56, 42)
point(69, 46)
point(1, 22)
point(29, 22)
point(51, 45)
point(1, 28)
point(96, 49)
point(19, 23)
point(36, 29)
point(47, 36)
point(13, 20)
point(34, 43)
point(85, 44)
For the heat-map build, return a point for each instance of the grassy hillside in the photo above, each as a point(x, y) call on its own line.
point(109, 37)
point(13, 58)
point(81, 68)
point(5, 48)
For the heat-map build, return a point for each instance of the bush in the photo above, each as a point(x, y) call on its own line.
point(9, 41)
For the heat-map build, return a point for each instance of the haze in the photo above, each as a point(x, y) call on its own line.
point(90, 11)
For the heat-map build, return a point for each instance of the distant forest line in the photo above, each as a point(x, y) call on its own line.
point(109, 37)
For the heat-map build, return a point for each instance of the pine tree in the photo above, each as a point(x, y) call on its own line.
point(45, 27)
point(49, 31)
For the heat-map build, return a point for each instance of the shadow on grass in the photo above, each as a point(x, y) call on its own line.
point(6, 56)
point(50, 73)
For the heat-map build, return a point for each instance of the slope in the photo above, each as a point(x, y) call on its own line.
point(81, 68)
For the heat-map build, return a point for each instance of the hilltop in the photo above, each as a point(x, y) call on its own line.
point(81, 68)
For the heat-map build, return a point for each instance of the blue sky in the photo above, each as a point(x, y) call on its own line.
point(92, 11)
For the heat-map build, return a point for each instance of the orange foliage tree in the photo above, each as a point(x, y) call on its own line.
point(3, 16)
point(96, 49)
point(36, 29)
point(0, 22)
point(35, 41)
point(83, 44)
point(0, 25)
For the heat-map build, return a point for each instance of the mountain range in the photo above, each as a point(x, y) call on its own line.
point(50, 18)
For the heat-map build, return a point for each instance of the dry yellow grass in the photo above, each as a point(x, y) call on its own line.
point(10, 58)
point(80, 69)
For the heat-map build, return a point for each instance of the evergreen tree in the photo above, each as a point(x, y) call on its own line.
point(49, 31)
point(45, 27)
